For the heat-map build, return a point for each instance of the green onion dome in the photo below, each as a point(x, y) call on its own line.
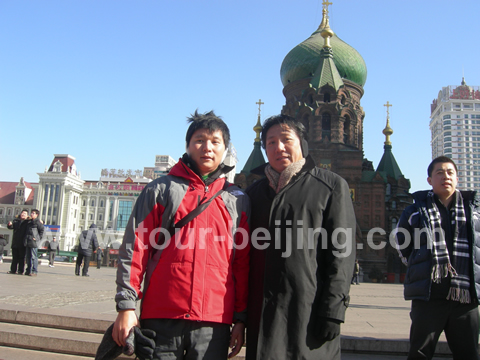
point(302, 61)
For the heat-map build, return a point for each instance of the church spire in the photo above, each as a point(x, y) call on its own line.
point(256, 157)
point(325, 19)
point(258, 126)
point(326, 72)
point(388, 130)
point(388, 164)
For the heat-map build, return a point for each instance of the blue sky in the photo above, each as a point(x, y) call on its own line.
point(111, 82)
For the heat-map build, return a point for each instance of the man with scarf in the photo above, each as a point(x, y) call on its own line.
point(438, 239)
point(302, 255)
point(194, 269)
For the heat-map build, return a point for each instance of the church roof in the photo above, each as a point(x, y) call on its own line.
point(303, 60)
point(388, 164)
point(255, 159)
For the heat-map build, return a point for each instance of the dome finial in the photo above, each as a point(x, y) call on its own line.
point(324, 23)
point(326, 33)
point(388, 130)
point(258, 126)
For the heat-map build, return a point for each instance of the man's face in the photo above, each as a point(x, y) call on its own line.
point(33, 215)
point(23, 215)
point(443, 180)
point(206, 150)
point(282, 147)
point(54, 239)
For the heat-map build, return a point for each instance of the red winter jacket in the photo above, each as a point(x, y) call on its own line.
point(198, 274)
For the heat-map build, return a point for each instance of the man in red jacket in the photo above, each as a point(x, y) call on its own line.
point(194, 269)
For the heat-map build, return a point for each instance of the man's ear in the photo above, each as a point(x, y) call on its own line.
point(429, 180)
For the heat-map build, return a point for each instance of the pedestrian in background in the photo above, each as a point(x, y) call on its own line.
point(3, 243)
point(33, 236)
point(53, 247)
point(18, 247)
point(99, 258)
point(356, 272)
point(87, 242)
point(438, 239)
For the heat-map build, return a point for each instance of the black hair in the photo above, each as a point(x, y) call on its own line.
point(440, 159)
point(36, 211)
point(208, 121)
point(293, 124)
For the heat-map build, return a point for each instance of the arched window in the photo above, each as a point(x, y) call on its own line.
point(326, 126)
point(101, 203)
point(92, 203)
point(394, 223)
point(346, 130)
point(326, 97)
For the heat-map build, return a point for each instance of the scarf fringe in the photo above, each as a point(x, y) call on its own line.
point(461, 295)
point(440, 271)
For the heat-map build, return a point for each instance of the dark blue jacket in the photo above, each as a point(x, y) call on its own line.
point(419, 259)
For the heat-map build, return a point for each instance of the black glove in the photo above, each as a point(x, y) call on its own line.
point(144, 343)
point(327, 329)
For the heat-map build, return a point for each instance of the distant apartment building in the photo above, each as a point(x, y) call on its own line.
point(455, 129)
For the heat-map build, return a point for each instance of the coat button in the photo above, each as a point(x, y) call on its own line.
point(187, 316)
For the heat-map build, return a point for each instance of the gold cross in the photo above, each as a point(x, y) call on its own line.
point(388, 105)
point(325, 3)
point(259, 103)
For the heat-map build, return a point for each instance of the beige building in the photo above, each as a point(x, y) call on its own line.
point(455, 129)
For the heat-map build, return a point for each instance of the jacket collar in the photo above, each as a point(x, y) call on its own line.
point(186, 168)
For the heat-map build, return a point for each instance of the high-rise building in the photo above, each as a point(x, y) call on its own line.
point(455, 128)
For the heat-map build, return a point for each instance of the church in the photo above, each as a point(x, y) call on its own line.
point(323, 79)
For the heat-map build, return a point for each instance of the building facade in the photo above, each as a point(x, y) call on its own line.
point(68, 204)
point(455, 129)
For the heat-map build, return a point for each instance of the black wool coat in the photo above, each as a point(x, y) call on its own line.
point(19, 228)
point(293, 285)
point(88, 241)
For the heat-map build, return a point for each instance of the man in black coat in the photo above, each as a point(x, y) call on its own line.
point(88, 242)
point(18, 247)
point(33, 236)
point(302, 254)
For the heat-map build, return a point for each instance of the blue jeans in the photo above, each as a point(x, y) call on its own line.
point(32, 261)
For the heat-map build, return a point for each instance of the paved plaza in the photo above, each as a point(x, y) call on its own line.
point(378, 314)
